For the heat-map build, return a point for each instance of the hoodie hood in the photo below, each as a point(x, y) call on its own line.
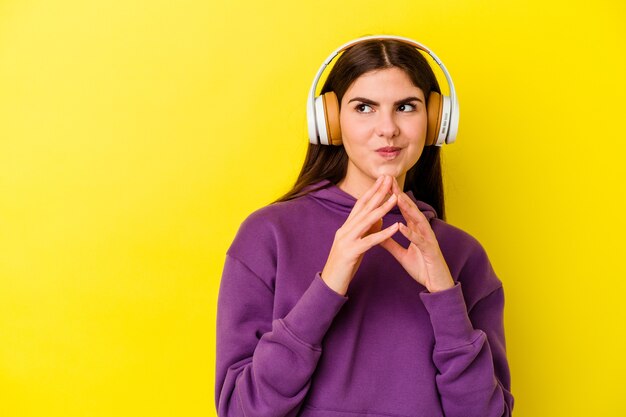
point(329, 195)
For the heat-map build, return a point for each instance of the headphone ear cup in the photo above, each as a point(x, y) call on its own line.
point(321, 132)
point(434, 110)
point(331, 110)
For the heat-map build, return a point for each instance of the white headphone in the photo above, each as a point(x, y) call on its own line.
point(323, 112)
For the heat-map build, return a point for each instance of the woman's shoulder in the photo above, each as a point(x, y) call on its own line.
point(289, 213)
point(450, 235)
point(275, 214)
point(260, 229)
point(467, 260)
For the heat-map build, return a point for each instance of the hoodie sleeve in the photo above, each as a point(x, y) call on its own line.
point(469, 352)
point(264, 365)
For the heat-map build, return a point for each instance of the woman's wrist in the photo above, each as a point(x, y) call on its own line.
point(339, 288)
point(438, 288)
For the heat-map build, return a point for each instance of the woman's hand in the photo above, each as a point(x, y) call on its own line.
point(423, 259)
point(360, 232)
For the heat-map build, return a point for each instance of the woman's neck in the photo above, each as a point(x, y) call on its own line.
point(357, 185)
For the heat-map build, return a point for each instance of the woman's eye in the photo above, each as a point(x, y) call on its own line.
point(363, 108)
point(406, 107)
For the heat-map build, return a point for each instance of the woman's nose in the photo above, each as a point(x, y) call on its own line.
point(386, 125)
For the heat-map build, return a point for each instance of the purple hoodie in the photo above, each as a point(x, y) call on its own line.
point(288, 345)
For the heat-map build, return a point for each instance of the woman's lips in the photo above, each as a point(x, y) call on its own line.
point(389, 153)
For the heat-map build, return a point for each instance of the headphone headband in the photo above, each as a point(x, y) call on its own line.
point(448, 130)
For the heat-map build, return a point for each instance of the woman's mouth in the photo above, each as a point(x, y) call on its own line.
point(389, 152)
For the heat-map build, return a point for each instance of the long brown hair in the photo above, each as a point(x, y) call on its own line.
point(329, 162)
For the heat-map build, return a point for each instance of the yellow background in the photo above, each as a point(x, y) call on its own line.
point(136, 135)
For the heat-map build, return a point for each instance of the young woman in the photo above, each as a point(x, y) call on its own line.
point(350, 295)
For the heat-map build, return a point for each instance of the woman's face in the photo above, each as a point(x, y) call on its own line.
point(383, 127)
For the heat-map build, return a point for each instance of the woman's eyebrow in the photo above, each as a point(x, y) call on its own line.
point(372, 102)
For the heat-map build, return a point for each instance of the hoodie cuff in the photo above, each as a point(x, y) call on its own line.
point(448, 315)
point(313, 314)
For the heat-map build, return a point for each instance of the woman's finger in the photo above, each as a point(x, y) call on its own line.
point(406, 204)
point(405, 211)
point(376, 227)
point(376, 238)
point(396, 187)
point(365, 197)
point(412, 214)
point(415, 237)
point(379, 196)
point(375, 215)
point(368, 205)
